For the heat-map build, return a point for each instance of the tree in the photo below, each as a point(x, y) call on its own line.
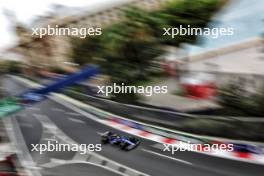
point(128, 54)
point(235, 98)
point(84, 51)
point(14, 67)
point(127, 49)
point(196, 14)
point(131, 52)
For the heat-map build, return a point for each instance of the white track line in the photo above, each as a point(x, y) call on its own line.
point(57, 162)
point(168, 157)
point(77, 120)
point(15, 135)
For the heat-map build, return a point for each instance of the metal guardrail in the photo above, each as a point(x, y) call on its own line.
point(112, 105)
point(226, 127)
point(173, 121)
point(169, 133)
point(137, 113)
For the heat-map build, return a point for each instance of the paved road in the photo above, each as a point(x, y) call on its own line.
point(81, 169)
point(147, 158)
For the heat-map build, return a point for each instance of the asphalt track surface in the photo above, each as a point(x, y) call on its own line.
point(147, 158)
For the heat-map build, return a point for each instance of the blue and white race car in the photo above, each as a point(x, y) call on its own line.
point(125, 143)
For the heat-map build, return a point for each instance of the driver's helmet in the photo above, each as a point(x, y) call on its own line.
point(115, 135)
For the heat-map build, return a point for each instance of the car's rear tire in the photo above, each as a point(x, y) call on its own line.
point(104, 140)
point(123, 146)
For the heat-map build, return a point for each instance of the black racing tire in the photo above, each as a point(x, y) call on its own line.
point(123, 146)
point(104, 140)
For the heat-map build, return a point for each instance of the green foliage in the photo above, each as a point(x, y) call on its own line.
point(232, 129)
point(126, 50)
point(238, 101)
point(85, 50)
point(3, 67)
point(13, 67)
point(125, 98)
point(56, 69)
point(232, 94)
point(259, 102)
point(197, 14)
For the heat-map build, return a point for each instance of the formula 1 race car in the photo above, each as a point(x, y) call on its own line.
point(125, 143)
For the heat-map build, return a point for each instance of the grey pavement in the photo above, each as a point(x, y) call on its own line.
point(153, 163)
